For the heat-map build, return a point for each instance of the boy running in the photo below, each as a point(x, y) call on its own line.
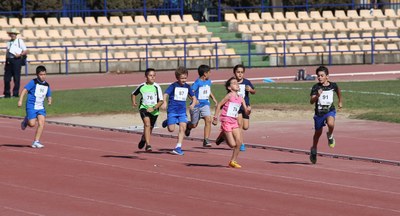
point(37, 89)
point(150, 103)
point(177, 93)
point(325, 112)
point(202, 90)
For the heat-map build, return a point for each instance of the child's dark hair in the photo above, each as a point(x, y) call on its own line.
point(180, 70)
point(40, 68)
point(239, 66)
point(322, 68)
point(203, 69)
point(148, 70)
point(228, 83)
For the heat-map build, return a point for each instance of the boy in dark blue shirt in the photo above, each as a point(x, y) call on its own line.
point(176, 95)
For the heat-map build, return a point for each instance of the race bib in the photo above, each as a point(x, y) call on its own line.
point(180, 94)
point(233, 110)
point(204, 92)
point(40, 95)
point(242, 90)
point(149, 98)
point(326, 98)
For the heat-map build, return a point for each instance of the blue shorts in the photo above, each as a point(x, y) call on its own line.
point(32, 113)
point(174, 118)
point(319, 121)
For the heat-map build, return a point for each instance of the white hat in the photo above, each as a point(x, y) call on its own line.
point(13, 31)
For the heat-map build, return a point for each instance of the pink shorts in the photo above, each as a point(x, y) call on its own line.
point(229, 126)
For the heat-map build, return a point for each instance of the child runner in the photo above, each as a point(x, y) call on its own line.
point(246, 87)
point(177, 94)
point(37, 89)
point(150, 103)
point(325, 112)
point(231, 104)
point(202, 90)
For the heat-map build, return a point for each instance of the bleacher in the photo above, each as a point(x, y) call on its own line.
point(117, 43)
point(301, 38)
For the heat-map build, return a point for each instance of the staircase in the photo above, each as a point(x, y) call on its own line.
point(220, 29)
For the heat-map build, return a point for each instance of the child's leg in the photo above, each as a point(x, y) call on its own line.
point(32, 122)
point(207, 126)
point(171, 128)
point(237, 138)
point(317, 134)
point(41, 120)
point(330, 121)
point(146, 129)
point(181, 133)
point(245, 124)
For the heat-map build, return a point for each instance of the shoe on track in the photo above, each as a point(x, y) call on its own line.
point(242, 147)
point(141, 143)
point(148, 148)
point(313, 155)
point(164, 123)
point(177, 151)
point(187, 131)
point(234, 164)
point(206, 143)
point(219, 140)
point(24, 123)
point(331, 140)
point(37, 144)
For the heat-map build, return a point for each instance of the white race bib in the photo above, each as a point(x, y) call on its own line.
point(242, 90)
point(233, 110)
point(326, 98)
point(204, 92)
point(149, 98)
point(180, 94)
point(40, 94)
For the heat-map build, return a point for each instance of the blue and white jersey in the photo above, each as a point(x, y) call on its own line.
point(37, 92)
point(202, 91)
point(177, 96)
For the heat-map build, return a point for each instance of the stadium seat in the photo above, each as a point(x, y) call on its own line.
point(91, 21)
point(127, 20)
point(27, 23)
point(279, 17)
point(65, 22)
point(53, 22)
point(116, 21)
point(188, 20)
point(341, 16)
point(328, 16)
point(79, 22)
point(40, 22)
point(291, 16)
point(14, 23)
point(165, 20)
point(254, 17)
point(353, 15)
point(316, 16)
point(304, 17)
point(103, 22)
point(267, 17)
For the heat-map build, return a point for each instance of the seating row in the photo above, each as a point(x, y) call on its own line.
point(101, 21)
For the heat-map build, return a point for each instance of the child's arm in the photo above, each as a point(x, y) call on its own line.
point(314, 98)
point(164, 105)
point(49, 100)
point(21, 97)
point(218, 109)
point(213, 98)
point(133, 98)
point(246, 108)
point(194, 102)
point(250, 89)
point(340, 99)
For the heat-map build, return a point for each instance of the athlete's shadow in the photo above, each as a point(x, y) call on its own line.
point(123, 157)
point(289, 162)
point(204, 165)
point(15, 146)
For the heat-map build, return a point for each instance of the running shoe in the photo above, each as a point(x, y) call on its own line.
point(24, 123)
point(165, 123)
point(206, 143)
point(234, 164)
point(313, 155)
point(242, 147)
point(148, 148)
point(187, 131)
point(141, 143)
point(219, 140)
point(37, 144)
point(331, 140)
point(177, 151)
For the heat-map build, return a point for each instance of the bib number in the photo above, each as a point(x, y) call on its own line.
point(180, 94)
point(40, 94)
point(242, 90)
point(149, 98)
point(233, 110)
point(326, 98)
point(204, 92)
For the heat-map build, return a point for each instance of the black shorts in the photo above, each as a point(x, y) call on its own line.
point(241, 111)
point(153, 118)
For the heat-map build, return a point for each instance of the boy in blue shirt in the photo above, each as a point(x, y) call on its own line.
point(37, 89)
point(177, 94)
point(202, 90)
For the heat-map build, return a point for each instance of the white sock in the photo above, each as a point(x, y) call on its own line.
point(178, 145)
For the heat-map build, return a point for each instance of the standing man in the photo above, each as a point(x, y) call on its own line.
point(16, 49)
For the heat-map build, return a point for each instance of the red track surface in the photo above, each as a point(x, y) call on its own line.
point(84, 171)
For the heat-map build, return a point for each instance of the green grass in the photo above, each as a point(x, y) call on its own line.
point(373, 100)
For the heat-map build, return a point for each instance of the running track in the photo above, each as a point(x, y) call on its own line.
point(90, 171)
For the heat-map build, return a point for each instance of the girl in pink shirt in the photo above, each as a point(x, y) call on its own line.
point(229, 108)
